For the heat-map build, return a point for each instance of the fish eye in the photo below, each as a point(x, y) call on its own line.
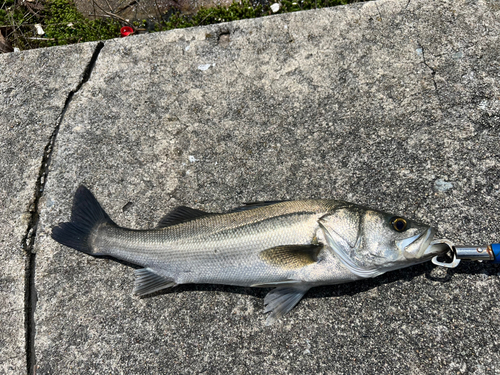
point(399, 224)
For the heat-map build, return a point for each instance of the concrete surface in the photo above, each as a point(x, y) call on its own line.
point(391, 104)
point(33, 93)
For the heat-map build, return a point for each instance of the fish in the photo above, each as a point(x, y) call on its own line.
point(290, 246)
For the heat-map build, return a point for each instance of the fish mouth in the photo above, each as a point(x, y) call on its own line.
point(438, 247)
point(420, 246)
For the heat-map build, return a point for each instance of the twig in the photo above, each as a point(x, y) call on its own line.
point(15, 27)
point(114, 15)
point(110, 9)
point(34, 8)
point(28, 19)
point(119, 10)
point(158, 9)
point(208, 15)
point(35, 38)
point(33, 24)
point(93, 8)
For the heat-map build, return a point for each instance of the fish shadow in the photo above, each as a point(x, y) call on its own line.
point(347, 289)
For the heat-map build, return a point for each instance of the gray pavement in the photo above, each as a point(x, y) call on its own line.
point(390, 104)
point(34, 87)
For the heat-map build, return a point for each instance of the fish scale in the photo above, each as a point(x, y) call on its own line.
point(290, 245)
point(166, 244)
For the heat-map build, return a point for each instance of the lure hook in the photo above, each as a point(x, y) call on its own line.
point(490, 253)
point(451, 250)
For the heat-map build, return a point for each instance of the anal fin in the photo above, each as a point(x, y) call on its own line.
point(147, 282)
point(281, 300)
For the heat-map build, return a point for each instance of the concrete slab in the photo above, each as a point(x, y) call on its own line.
point(391, 104)
point(32, 96)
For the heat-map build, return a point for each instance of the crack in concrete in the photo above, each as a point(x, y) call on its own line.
point(378, 11)
point(433, 71)
point(30, 296)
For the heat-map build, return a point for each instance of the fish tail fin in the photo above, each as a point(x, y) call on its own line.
point(86, 215)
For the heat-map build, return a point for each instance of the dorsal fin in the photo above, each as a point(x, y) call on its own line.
point(254, 205)
point(181, 214)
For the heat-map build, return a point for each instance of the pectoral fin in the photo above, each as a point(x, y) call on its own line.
point(291, 256)
point(147, 282)
point(281, 300)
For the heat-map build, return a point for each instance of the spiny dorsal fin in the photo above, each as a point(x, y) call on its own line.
point(181, 214)
point(291, 256)
point(147, 282)
point(254, 205)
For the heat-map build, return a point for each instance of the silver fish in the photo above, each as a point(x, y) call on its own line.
point(289, 245)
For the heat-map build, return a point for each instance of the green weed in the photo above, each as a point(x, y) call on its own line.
point(65, 25)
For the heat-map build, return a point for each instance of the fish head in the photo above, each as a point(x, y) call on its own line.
point(389, 238)
point(370, 242)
